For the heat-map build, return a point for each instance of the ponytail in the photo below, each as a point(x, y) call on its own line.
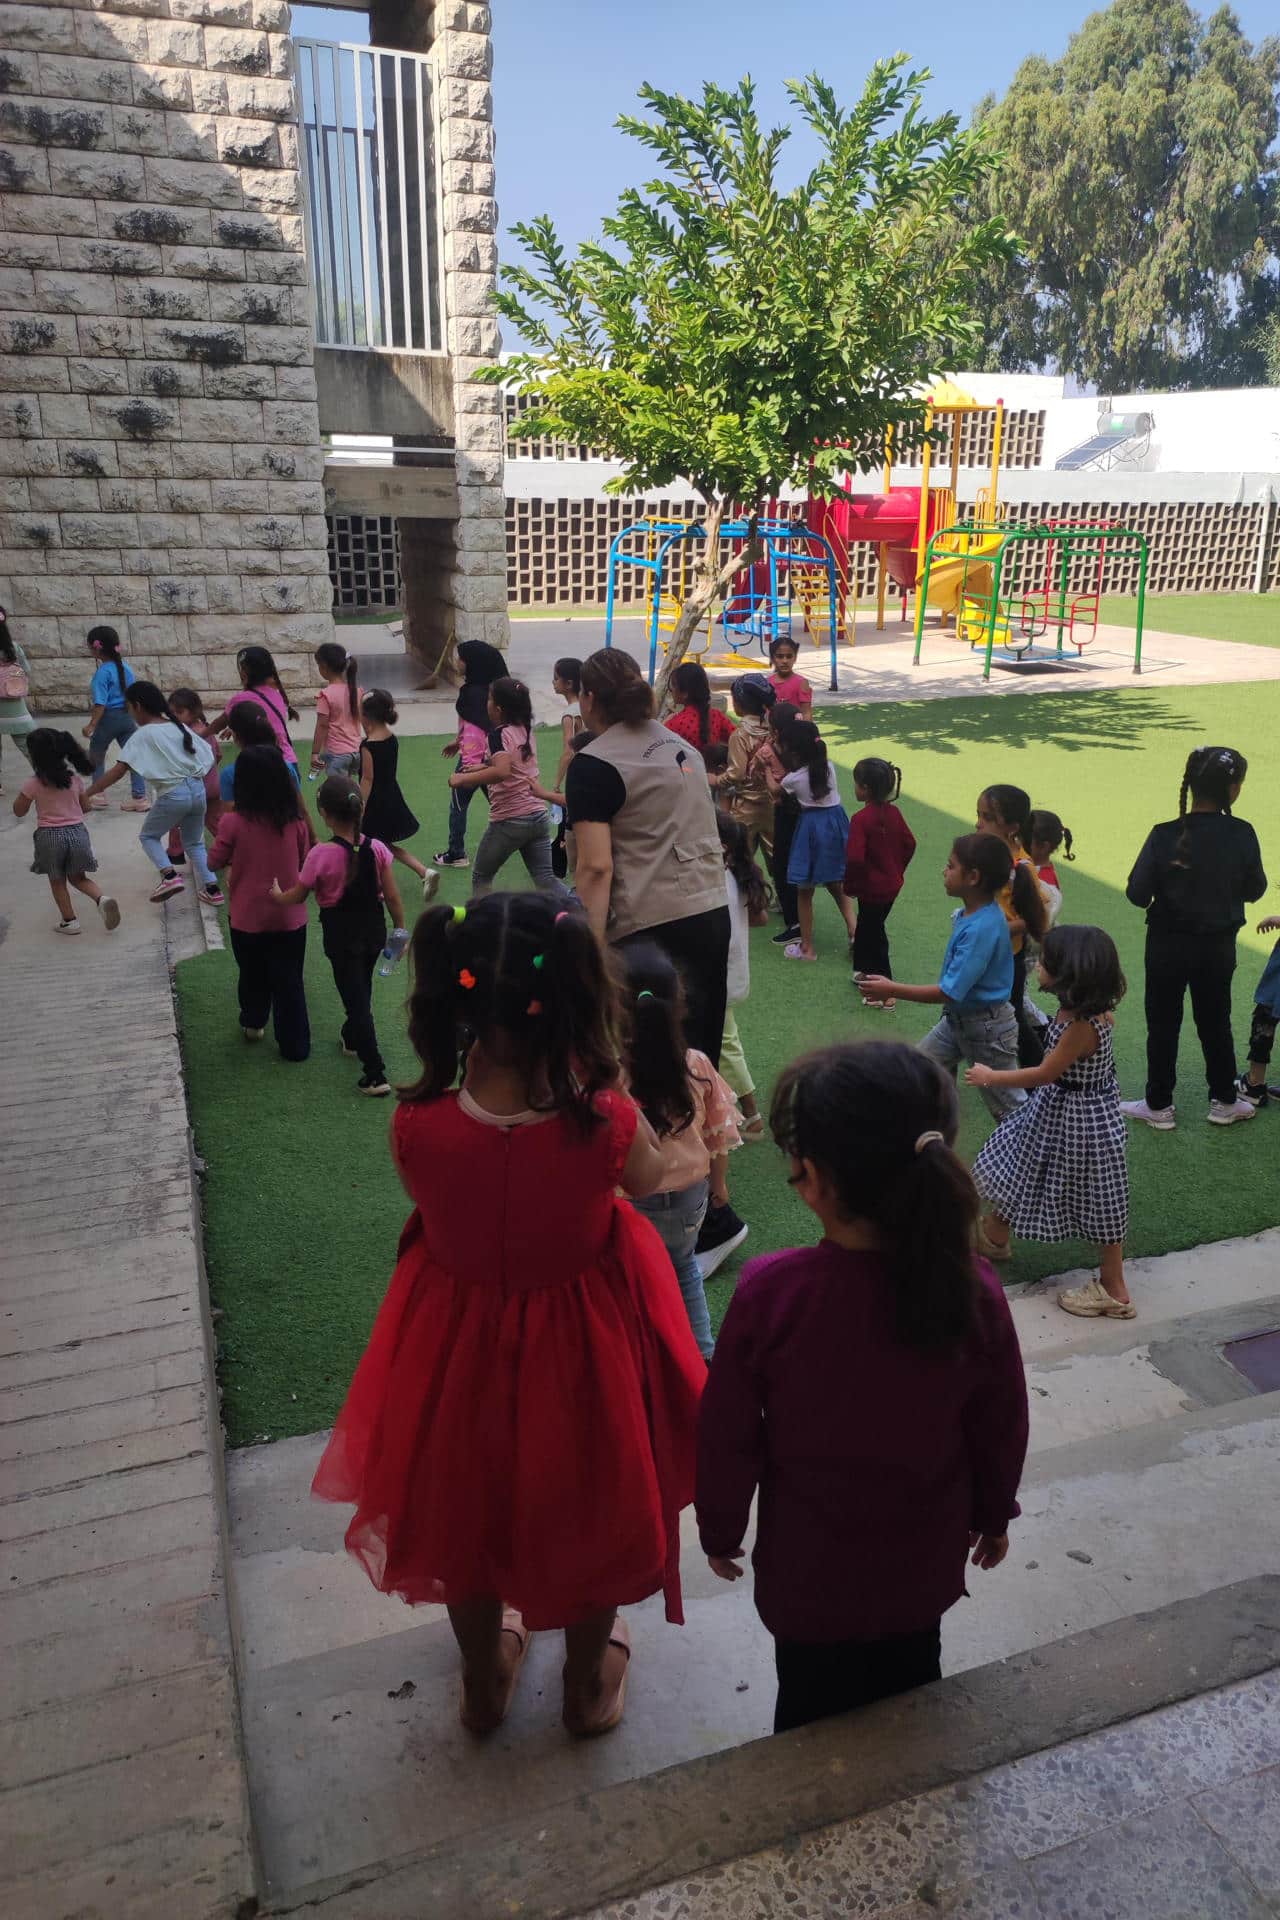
point(878, 1120)
point(690, 683)
point(515, 705)
point(804, 745)
point(882, 780)
point(257, 669)
point(657, 1071)
point(1027, 899)
point(145, 695)
point(341, 799)
point(53, 754)
point(335, 659)
point(105, 642)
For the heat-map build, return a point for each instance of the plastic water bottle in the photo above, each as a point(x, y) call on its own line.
point(393, 952)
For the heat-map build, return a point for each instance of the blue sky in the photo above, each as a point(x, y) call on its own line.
point(565, 69)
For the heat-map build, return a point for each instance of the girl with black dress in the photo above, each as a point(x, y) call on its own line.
point(387, 815)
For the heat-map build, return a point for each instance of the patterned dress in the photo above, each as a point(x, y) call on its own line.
point(1055, 1167)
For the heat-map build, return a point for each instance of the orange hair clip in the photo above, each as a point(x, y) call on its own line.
point(466, 979)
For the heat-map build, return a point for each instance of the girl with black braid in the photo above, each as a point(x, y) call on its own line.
point(173, 761)
point(1194, 876)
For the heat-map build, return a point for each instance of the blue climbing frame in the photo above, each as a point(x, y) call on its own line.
point(767, 615)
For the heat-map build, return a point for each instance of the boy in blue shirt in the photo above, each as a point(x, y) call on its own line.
point(977, 1024)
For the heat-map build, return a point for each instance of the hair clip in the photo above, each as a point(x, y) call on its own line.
point(561, 916)
point(644, 994)
point(459, 915)
point(466, 979)
point(538, 959)
point(534, 1007)
point(927, 1140)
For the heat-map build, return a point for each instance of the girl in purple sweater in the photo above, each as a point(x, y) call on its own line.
point(870, 1387)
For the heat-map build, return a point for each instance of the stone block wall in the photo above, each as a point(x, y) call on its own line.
point(474, 560)
point(160, 457)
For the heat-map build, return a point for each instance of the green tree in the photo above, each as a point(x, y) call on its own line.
point(1140, 173)
point(732, 332)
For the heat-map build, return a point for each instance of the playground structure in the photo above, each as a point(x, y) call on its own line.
point(757, 608)
point(1015, 621)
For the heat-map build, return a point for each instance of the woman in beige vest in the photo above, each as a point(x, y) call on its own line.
point(648, 851)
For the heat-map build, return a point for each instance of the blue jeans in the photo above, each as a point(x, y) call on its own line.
point(678, 1218)
point(459, 801)
point(982, 1037)
point(182, 806)
point(348, 763)
point(116, 725)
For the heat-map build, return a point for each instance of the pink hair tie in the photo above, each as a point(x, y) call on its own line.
point(561, 916)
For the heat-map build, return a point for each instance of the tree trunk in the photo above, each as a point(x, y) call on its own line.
point(709, 579)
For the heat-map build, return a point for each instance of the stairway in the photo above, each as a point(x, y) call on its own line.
point(1144, 1495)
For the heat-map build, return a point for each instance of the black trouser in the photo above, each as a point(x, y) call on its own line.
point(1204, 963)
point(786, 818)
point(353, 958)
point(271, 983)
point(699, 946)
point(1030, 1042)
point(819, 1678)
point(871, 940)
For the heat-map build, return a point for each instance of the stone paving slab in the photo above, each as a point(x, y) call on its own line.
point(122, 1785)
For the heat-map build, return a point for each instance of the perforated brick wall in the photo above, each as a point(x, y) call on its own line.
point(159, 442)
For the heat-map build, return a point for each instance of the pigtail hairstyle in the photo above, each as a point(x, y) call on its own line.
point(147, 697)
point(689, 683)
point(658, 1076)
point(512, 699)
point(803, 746)
point(258, 669)
point(736, 849)
point(341, 799)
point(105, 642)
point(882, 780)
point(521, 974)
point(1210, 774)
point(53, 754)
point(878, 1121)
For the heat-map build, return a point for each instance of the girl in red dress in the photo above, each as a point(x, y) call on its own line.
point(695, 719)
point(518, 1439)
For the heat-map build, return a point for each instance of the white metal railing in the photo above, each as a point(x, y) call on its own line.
point(371, 186)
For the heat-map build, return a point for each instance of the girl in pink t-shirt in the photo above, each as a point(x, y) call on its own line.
point(336, 746)
point(787, 684)
point(63, 851)
point(692, 1111)
point(264, 838)
point(518, 819)
point(260, 685)
point(350, 875)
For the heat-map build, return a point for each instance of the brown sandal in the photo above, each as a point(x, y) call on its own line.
point(989, 1248)
point(482, 1724)
point(611, 1714)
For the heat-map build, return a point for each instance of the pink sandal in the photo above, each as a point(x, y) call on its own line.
point(796, 952)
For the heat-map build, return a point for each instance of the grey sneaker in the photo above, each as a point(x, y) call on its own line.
point(1161, 1118)
point(1225, 1113)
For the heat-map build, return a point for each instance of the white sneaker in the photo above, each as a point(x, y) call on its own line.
point(430, 885)
point(68, 926)
point(1225, 1113)
point(1161, 1118)
point(110, 911)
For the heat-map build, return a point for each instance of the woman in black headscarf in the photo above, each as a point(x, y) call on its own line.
point(481, 666)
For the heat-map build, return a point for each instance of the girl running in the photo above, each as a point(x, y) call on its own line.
point(518, 821)
point(61, 846)
point(387, 815)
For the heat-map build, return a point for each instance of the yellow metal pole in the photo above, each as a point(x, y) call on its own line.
point(922, 532)
point(997, 438)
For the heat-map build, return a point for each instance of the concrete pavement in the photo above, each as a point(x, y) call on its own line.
point(122, 1784)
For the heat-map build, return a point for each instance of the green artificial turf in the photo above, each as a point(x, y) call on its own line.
point(1253, 619)
point(303, 1209)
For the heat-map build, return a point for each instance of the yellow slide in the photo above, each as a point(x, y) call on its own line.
point(948, 578)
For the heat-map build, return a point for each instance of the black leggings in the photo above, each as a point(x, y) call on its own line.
point(786, 818)
point(353, 964)
point(1030, 1041)
point(871, 940)
point(1202, 964)
point(699, 946)
point(270, 966)
point(1262, 1036)
point(819, 1678)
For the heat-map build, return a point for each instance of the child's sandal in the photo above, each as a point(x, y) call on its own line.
point(610, 1714)
point(992, 1249)
point(482, 1724)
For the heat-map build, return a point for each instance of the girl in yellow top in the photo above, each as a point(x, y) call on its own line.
point(1005, 812)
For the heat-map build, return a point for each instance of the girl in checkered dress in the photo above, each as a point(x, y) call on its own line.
point(1055, 1168)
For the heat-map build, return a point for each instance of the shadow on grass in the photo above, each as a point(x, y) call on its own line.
point(1111, 720)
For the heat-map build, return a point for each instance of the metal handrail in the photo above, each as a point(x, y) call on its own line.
point(370, 157)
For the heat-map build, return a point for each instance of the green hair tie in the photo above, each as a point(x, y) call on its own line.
point(538, 959)
point(644, 994)
point(459, 915)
